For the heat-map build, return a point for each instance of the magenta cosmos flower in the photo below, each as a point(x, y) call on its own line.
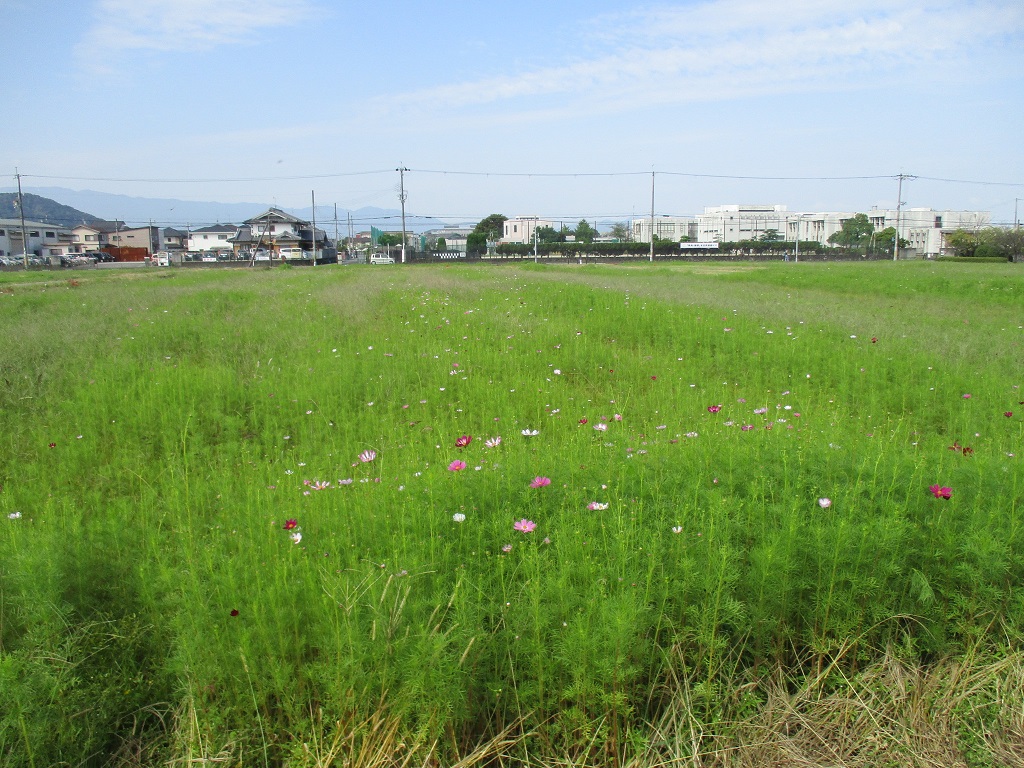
point(540, 482)
point(456, 466)
point(291, 525)
point(463, 441)
point(714, 408)
point(524, 525)
point(940, 491)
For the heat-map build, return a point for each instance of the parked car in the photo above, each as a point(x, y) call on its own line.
point(381, 258)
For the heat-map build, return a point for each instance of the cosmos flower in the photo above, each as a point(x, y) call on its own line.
point(583, 420)
point(602, 427)
point(494, 442)
point(234, 611)
point(714, 408)
point(524, 525)
point(291, 525)
point(677, 529)
point(463, 441)
point(940, 491)
point(824, 502)
point(540, 482)
point(367, 456)
point(458, 517)
point(507, 548)
point(530, 433)
point(317, 485)
point(296, 537)
point(1008, 414)
point(14, 515)
point(456, 466)
point(594, 506)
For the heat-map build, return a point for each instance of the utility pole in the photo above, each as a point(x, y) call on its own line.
point(312, 194)
point(402, 197)
point(536, 221)
point(21, 211)
point(652, 217)
point(335, 229)
point(1016, 223)
point(899, 205)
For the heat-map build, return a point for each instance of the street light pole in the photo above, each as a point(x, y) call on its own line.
point(21, 210)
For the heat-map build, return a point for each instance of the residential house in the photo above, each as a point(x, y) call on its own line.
point(95, 236)
point(217, 238)
point(282, 236)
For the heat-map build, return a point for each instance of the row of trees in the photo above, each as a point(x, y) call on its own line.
point(990, 242)
point(492, 228)
point(858, 234)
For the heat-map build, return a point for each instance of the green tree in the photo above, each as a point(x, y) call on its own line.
point(1008, 242)
point(440, 244)
point(584, 232)
point(389, 239)
point(620, 231)
point(549, 235)
point(492, 227)
point(883, 240)
point(856, 232)
point(770, 236)
point(476, 242)
point(962, 242)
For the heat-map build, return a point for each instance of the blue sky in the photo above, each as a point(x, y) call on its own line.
point(263, 91)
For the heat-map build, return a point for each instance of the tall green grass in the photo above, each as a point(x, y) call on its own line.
point(158, 434)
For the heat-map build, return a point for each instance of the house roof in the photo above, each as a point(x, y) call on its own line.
point(171, 232)
point(217, 228)
point(275, 214)
point(105, 227)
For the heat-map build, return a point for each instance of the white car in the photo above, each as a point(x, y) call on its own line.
point(380, 258)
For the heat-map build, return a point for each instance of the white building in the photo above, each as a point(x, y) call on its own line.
point(43, 239)
point(521, 228)
point(926, 229)
point(216, 238)
point(673, 228)
point(729, 223)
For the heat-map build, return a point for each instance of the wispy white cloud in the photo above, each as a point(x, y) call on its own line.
point(184, 25)
point(722, 49)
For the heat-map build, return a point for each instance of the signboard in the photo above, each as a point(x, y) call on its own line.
point(699, 246)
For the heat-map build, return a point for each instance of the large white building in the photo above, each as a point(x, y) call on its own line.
point(729, 223)
point(665, 227)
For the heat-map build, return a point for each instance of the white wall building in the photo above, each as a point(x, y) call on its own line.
point(43, 239)
point(665, 227)
point(521, 228)
point(729, 223)
point(217, 237)
point(926, 229)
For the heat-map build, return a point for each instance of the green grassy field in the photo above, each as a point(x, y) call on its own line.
point(737, 515)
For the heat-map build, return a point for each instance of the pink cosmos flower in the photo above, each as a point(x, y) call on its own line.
point(967, 396)
point(540, 482)
point(602, 427)
point(714, 408)
point(617, 417)
point(747, 427)
point(367, 456)
point(463, 441)
point(940, 491)
point(291, 525)
point(494, 442)
point(594, 506)
point(507, 548)
point(824, 503)
point(524, 525)
point(456, 466)
point(318, 485)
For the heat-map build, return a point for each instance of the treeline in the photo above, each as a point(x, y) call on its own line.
point(991, 242)
point(662, 248)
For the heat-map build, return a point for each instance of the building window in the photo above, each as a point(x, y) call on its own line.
point(222, 237)
point(33, 234)
point(2, 233)
point(938, 222)
point(51, 234)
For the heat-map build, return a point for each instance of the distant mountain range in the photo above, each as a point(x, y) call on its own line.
point(42, 209)
point(66, 206)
